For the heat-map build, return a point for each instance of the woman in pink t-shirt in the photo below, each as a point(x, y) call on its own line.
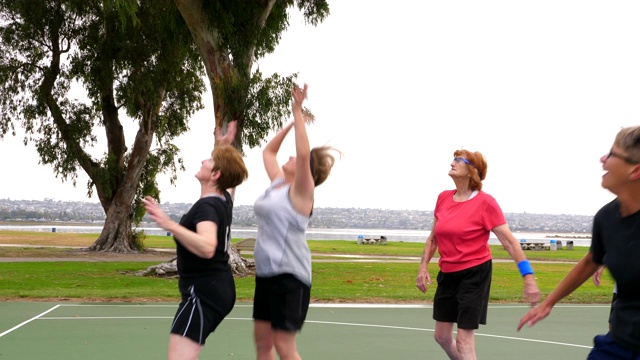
point(463, 220)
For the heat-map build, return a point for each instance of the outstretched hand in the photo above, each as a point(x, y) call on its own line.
point(156, 214)
point(534, 315)
point(230, 136)
point(298, 94)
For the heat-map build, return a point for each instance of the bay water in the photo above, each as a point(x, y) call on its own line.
point(318, 233)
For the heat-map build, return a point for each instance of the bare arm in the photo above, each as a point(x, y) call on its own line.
point(584, 269)
point(270, 152)
point(598, 275)
point(512, 246)
point(227, 139)
point(430, 247)
point(203, 242)
point(302, 189)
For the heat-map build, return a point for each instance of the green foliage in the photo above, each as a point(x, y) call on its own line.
point(137, 240)
point(314, 10)
point(136, 62)
point(134, 59)
point(243, 33)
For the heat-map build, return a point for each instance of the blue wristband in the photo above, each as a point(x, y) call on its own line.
point(525, 267)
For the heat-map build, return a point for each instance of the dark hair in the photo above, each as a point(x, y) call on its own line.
point(228, 161)
point(478, 170)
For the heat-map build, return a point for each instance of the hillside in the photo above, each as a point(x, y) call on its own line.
point(336, 218)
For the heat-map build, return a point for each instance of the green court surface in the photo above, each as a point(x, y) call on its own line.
point(42, 330)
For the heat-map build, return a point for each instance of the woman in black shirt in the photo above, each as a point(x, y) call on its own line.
point(202, 239)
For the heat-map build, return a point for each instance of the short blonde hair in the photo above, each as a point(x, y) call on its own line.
point(628, 139)
point(229, 162)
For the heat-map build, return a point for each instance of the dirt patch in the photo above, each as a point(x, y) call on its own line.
point(147, 254)
point(47, 239)
point(26, 253)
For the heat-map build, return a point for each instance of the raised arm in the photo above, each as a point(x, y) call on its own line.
point(303, 187)
point(270, 152)
point(227, 139)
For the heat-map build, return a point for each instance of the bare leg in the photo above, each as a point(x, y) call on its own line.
point(444, 338)
point(263, 337)
point(466, 344)
point(183, 348)
point(285, 342)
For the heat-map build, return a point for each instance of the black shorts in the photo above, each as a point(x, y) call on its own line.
point(204, 305)
point(605, 348)
point(462, 297)
point(282, 300)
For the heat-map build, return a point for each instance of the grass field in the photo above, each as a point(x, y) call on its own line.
point(332, 281)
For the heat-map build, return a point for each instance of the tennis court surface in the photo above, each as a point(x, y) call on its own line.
point(44, 330)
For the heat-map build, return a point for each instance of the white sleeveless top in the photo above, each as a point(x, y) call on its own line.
point(281, 246)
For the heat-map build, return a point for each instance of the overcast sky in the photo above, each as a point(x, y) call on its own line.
point(540, 88)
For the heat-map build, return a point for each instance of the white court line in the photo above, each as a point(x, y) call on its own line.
point(120, 318)
point(315, 305)
point(318, 322)
point(104, 317)
point(432, 330)
point(373, 306)
point(118, 305)
point(28, 321)
point(344, 305)
point(525, 306)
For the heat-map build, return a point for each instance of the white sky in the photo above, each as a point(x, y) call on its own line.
point(540, 88)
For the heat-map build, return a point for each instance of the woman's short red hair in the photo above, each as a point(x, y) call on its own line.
point(478, 170)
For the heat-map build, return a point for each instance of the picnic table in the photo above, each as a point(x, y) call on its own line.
point(247, 244)
point(534, 246)
point(553, 244)
point(382, 240)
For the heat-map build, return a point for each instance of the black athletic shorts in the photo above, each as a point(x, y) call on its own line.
point(205, 303)
point(282, 300)
point(462, 297)
point(605, 348)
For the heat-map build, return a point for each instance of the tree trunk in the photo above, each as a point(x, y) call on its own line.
point(240, 267)
point(117, 235)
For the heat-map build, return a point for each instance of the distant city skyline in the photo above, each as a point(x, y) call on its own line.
point(540, 88)
point(324, 218)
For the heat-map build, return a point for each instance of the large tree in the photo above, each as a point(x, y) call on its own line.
point(139, 70)
point(231, 36)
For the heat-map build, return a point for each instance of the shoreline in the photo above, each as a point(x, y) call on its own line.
point(414, 236)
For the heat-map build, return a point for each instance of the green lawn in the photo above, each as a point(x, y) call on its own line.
point(332, 281)
point(350, 282)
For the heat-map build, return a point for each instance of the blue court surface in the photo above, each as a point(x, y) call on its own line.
point(44, 330)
